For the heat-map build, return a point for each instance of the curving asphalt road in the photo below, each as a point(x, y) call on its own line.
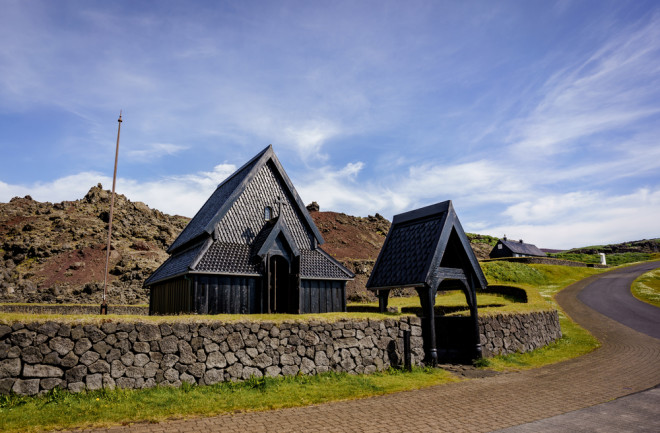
point(640, 412)
point(610, 295)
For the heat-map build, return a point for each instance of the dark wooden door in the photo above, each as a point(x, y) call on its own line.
point(279, 285)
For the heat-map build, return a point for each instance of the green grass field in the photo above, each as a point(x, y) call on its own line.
point(615, 259)
point(646, 288)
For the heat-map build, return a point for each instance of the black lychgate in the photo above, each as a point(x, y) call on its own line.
point(428, 250)
point(251, 248)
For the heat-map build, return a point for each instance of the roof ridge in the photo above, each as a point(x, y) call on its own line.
point(192, 231)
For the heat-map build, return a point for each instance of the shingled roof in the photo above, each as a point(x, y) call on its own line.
point(419, 244)
point(230, 190)
point(228, 235)
point(522, 248)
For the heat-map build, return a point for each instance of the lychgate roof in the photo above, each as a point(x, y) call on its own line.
point(421, 242)
point(230, 236)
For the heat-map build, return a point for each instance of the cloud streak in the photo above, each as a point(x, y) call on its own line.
point(615, 87)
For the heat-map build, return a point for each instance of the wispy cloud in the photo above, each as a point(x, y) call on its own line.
point(615, 87)
point(154, 151)
point(310, 138)
point(580, 219)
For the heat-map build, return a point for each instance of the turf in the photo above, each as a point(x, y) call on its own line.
point(62, 410)
point(646, 288)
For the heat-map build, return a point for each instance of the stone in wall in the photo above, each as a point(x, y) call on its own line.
point(503, 334)
point(36, 357)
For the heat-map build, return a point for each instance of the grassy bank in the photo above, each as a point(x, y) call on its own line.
point(61, 410)
point(546, 281)
point(646, 288)
point(613, 259)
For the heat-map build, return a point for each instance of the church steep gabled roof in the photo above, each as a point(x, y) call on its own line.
point(203, 223)
point(421, 242)
point(231, 234)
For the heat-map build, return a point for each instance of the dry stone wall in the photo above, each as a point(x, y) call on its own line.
point(36, 357)
point(503, 334)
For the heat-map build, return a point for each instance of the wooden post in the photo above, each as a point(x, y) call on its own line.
point(478, 354)
point(104, 305)
point(427, 298)
point(382, 300)
point(268, 283)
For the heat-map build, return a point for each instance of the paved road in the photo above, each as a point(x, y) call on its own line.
point(637, 413)
point(640, 412)
point(611, 296)
point(628, 362)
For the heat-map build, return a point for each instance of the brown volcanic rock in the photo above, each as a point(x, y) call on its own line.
point(56, 252)
point(354, 241)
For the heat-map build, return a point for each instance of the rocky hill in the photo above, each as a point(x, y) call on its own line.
point(56, 253)
point(642, 246)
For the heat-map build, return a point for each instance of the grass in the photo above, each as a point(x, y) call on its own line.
point(62, 410)
point(482, 239)
point(575, 342)
point(646, 288)
point(615, 259)
point(543, 282)
point(97, 319)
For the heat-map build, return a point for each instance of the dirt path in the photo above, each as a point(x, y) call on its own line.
point(628, 362)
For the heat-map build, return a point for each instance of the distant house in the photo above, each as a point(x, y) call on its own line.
point(251, 248)
point(507, 248)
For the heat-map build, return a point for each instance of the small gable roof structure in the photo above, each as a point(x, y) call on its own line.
point(507, 248)
point(251, 248)
point(427, 249)
point(422, 245)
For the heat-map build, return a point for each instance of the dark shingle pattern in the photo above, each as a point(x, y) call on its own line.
point(196, 226)
point(313, 264)
point(229, 259)
point(521, 248)
point(406, 255)
point(175, 264)
point(245, 219)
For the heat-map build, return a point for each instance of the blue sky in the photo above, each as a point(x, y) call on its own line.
point(539, 119)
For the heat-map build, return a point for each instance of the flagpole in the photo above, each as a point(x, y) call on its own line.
point(104, 305)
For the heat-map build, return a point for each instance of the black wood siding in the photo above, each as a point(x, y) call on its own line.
point(322, 296)
point(171, 297)
point(223, 294)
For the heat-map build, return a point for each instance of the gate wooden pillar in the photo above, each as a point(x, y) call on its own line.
point(471, 296)
point(427, 298)
point(383, 296)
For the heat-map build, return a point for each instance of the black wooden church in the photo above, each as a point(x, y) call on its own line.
point(251, 248)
